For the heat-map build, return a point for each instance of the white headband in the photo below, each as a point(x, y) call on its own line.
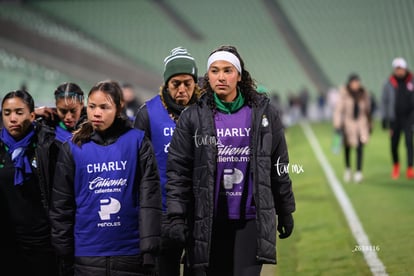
point(226, 56)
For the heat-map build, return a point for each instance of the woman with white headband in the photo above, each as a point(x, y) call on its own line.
point(225, 188)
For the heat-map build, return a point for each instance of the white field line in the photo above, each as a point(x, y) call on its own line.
point(370, 255)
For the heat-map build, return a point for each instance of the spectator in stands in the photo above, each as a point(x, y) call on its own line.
point(224, 192)
point(131, 102)
point(352, 118)
point(331, 101)
point(321, 105)
point(294, 108)
point(25, 189)
point(304, 102)
point(158, 117)
point(276, 101)
point(106, 201)
point(23, 86)
point(398, 113)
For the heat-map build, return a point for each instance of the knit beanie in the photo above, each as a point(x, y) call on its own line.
point(179, 62)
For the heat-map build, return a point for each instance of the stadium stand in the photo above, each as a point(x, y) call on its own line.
point(143, 31)
point(26, 17)
point(30, 34)
point(41, 82)
point(355, 36)
point(342, 37)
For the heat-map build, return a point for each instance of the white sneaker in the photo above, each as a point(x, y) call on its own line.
point(347, 175)
point(358, 177)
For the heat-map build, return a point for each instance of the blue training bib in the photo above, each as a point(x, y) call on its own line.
point(107, 197)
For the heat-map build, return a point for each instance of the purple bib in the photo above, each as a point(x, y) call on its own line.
point(234, 185)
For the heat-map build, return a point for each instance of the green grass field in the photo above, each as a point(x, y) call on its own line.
point(322, 243)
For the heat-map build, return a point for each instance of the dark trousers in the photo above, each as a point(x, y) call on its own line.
point(233, 249)
point(169, 261)
point(36, 261)
point(398, 128)
point(112, 265)
point(359, 155)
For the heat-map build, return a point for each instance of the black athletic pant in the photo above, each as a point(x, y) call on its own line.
point(170, 260)
point(112, 265)
point(359, 155)
point(405, 127)
point(233, 249)
point(39, 261)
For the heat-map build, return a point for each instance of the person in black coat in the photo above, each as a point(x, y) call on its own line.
point(398, 114)
point(158, 117)
point(26, 182)
point(106, 201)
point(226, 194)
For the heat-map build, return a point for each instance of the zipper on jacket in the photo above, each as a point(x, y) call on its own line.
point(256, 121)
point(211, 207)
point(41, 182)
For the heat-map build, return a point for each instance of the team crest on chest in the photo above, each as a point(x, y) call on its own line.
point(265, 121)
point(34, 163)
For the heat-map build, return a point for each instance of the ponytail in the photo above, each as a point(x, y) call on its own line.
point(83, 134)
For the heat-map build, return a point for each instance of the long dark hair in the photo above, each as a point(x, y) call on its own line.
point(361, 93)
point(23, 95)
point(247, 84)
point(114, 90)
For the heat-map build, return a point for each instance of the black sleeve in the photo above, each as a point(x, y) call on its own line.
point(63, 208)
point(46, 151)
point(150, 199)
point(180, 167)
point(281, 183)
point(53, 151)
point(385, 102)
point(141, 120)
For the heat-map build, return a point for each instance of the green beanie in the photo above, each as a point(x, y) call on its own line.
point(179, 62)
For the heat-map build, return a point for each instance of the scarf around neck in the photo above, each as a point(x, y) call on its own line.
point(229, 107)
point(17, 151)
point(173, 108)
